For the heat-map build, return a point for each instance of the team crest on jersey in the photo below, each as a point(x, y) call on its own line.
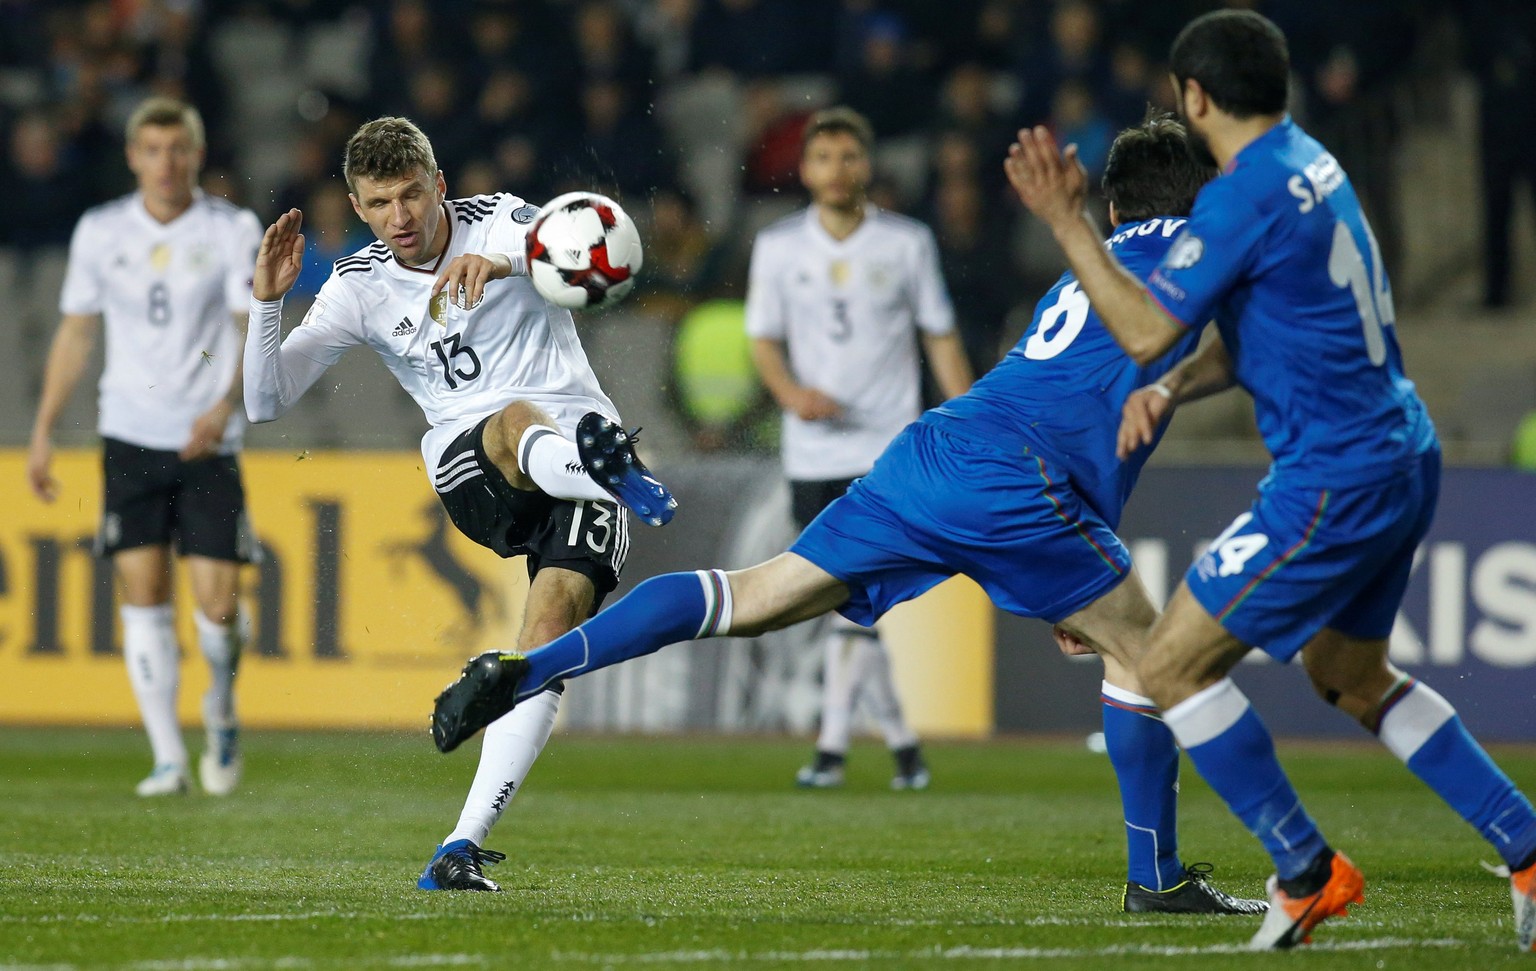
point(160, 257)
point(524, 214)
point(838, 272)
point(1184, 253)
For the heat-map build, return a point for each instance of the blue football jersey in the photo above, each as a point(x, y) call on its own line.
point(1278, 252)
point(1060, 390)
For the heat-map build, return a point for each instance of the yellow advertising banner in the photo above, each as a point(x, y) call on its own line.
point(366, 603)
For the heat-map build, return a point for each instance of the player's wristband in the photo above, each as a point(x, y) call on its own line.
point(1162, 389)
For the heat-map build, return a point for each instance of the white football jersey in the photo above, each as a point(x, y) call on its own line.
point(848, 311)
point(460, 365)
point(167, 293)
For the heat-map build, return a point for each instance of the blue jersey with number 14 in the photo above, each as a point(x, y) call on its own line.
point(1059, 391)
point(1278, 251)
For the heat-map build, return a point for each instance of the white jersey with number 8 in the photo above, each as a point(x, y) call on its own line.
point(167, 293)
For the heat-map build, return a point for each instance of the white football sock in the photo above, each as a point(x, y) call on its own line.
point(552, 462)
point(154, 667)
point(220, 644)
point(837, 688)
point(512, 743)
point(874, 683)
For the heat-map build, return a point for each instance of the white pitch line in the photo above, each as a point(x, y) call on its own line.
point(977, 953)
point(213, 918)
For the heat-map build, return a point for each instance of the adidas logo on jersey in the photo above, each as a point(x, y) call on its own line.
point(404, 328)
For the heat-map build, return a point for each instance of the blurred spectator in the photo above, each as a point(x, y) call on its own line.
point(605, 46)
point(882, 85)
point(1500, 38)
point(45, 196)
point(331, 231)
point(758, 38)
point(614, 146)
point(405, 36)
point(313, 162)
point(683, 260)
point(480, 177)
point(773, 158)
point(1076, 120)
point(1069, 51)
point(976, 266)
point(520, 168)
point(1348, 58)
point(434, 92)
point(1129, 88)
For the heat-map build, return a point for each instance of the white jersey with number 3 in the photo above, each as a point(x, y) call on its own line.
point(459, 365)
point(848, 311)
point(167, 293)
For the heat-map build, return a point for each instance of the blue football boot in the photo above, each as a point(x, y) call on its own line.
point(608, 452)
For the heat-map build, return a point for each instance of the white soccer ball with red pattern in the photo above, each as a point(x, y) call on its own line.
point(583, 251)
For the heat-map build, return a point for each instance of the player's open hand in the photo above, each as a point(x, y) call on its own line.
point(810, 404)
point(280, 258)
point(40, 470)
point(1051, 183)
point(207, 433)
point(465, 277)
point(1145, 410)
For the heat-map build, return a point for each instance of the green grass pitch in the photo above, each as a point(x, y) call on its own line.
point(690, 853)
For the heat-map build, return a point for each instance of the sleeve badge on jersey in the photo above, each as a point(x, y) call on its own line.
point(524, 213)
point(1184, 253)
point(316, 311)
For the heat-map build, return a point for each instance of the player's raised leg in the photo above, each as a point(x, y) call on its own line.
point(662, 610)
point(523, 442)
point(220, 637)
point(1185, 672)
point(153, 659)
point(1141, 748)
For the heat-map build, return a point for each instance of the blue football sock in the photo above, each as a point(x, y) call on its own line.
point(1146, 762)
point(1422, 729)
point(660, 611)
point(1233, 751)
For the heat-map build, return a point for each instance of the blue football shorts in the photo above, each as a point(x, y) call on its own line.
point(1301, 560)
point(937, 504)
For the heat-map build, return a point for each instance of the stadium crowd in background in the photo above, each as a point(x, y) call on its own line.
point(701, 101)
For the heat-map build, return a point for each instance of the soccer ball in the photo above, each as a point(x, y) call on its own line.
point(583, 252)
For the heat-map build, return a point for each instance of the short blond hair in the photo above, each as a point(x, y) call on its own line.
point(165, 112)
point(387, 148)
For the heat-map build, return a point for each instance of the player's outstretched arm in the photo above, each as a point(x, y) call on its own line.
point(1204, 373)
point(67, 358)
point(1053, 185)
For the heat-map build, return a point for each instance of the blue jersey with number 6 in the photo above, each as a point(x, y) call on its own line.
point(1278, 251)
point(1059, 391)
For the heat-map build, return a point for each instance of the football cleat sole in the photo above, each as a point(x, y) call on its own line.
point(482, 693)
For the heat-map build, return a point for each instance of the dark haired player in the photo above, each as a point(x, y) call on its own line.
point(1279, 252)
point(1014, 484)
